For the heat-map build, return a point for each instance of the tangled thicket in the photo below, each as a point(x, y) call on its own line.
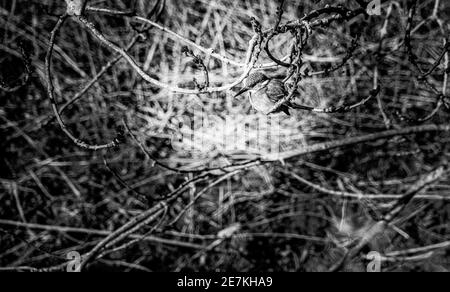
point(93, 92)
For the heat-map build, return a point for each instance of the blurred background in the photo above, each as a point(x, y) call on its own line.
point(56, 197)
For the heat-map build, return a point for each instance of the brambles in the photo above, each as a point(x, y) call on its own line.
point(22, 81)
point(99, 173)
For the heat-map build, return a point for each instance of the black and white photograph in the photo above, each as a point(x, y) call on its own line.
point(222, 137)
